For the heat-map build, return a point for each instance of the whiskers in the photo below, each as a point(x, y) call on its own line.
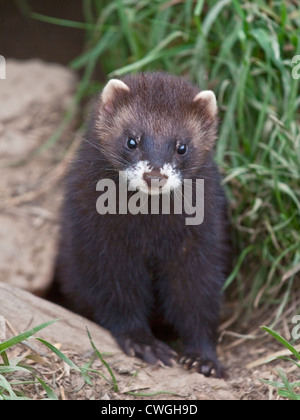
point(206, 172)
point(104, 152)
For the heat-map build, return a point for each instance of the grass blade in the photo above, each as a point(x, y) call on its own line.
point(50, 393)
point(99, 355)
point(59, 354)
point(24, 336)
point(279, 338)
point(5, 385)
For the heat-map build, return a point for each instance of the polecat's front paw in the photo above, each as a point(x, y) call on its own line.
point(205, 365)
point(148, 349)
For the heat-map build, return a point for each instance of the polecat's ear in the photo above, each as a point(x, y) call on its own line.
point(208, 100)
point(111, 90)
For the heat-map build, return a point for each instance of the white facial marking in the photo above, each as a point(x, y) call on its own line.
point(174, 179)
point(135, 176)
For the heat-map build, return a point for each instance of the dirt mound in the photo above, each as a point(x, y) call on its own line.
point(33, 100)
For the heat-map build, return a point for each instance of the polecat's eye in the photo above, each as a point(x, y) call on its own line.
point(132, 143)
point(182, 149)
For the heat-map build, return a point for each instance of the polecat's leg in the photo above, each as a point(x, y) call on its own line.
point(125, 311)
point(193, 296)
point(146, 347)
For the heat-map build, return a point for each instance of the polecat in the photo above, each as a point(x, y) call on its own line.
point(131, 270)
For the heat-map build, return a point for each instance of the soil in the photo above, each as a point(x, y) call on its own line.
point(33, 101)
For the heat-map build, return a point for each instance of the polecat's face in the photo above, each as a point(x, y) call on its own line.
point(156, 130)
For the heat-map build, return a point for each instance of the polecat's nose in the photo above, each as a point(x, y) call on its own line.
point(155, 178)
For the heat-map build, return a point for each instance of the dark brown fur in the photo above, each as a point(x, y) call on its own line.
point(131, 272)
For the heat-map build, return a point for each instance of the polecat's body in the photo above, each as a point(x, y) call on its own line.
point(126, 271)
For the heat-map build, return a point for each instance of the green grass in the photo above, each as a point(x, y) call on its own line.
point(11, 388)
point(14, 387)
point(285, 388)
point(243, 51)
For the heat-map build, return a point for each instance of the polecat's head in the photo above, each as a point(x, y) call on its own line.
point(157, 128)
